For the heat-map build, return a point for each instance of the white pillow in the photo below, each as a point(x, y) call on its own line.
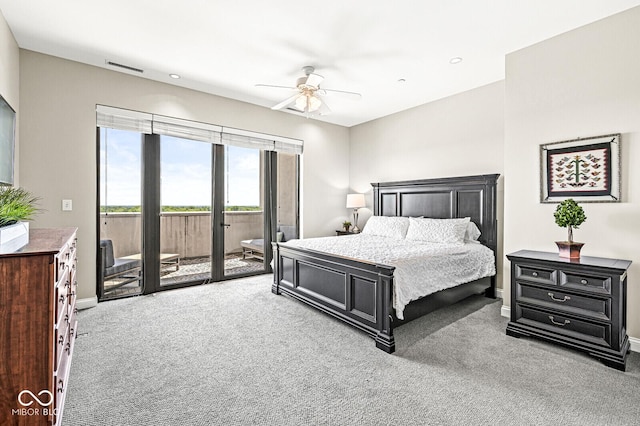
point(472, 233)
point(445, 231)
point(387, 226)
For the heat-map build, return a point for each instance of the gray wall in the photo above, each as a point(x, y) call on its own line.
point(582, 83)
point(58, 143)
point(456, 136)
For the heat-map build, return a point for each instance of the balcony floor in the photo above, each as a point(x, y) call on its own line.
point(193, 269)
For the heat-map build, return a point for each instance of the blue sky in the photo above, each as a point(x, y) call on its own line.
point(185, 172)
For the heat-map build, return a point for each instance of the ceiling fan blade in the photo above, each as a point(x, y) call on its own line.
point(286, 102)
point(351, 95)
point(314, 80)
point(271, 86)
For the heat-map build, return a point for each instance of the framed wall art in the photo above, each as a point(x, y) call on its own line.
point(587, 170)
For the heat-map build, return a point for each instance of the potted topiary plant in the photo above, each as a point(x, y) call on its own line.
point(17, 206)
point(569, 215)
point(346, 225)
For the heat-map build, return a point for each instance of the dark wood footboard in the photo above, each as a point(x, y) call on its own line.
point(360, 293)
point(356, 292)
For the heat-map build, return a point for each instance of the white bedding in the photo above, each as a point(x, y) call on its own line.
point(422, 268)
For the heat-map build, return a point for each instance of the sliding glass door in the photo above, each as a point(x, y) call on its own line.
point(185, 203)
point(119, 266)
point(185, 211)
point(243, 212)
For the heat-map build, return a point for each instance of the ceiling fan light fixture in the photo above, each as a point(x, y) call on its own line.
point(308, 103)
point(307, 100)
point(313, 103)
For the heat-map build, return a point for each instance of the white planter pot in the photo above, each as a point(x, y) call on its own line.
point(14, 237)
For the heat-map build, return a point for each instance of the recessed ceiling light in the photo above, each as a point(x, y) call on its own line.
point(176, 76)
point(455, 60)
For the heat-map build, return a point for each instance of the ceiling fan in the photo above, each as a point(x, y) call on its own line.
point(307, 97)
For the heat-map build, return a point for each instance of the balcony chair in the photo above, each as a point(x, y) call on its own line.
point(121, 271)
point(255, 248)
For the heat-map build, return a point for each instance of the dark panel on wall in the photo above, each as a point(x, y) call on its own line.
point(363, 298)
point(388, 204)
point(427, 204)
point(326, 283)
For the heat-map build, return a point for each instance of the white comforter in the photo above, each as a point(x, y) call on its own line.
point(421, 268)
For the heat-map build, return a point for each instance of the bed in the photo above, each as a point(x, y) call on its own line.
point(361, 293)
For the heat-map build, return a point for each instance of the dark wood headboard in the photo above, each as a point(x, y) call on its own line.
point(443, 198)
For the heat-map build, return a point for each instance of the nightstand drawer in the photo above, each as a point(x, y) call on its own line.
point(584, 282)
point(596, 333)
point(536, 274)
point(596, 308)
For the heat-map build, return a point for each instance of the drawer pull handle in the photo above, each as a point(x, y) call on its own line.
point(564, 299)
point(535, 274)
point(583, 281)
point(559, 323)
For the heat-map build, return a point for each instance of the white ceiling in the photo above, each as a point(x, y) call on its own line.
point(226, 47)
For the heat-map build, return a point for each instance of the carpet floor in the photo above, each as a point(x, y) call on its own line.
point(233, 353)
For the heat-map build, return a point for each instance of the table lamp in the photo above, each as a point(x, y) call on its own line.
point(355, 201)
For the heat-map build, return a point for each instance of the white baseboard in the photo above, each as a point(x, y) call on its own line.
point(499, 293)
point(505, 311)
point(90, 302)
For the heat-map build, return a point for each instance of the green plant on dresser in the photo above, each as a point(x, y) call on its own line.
point(16, 204)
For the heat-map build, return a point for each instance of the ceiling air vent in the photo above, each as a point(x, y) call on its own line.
point(126, 67)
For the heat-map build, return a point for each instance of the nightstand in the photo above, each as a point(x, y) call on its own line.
point(338, 233)
point(579, 303)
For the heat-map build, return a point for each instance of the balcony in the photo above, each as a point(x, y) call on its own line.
point(186, 235)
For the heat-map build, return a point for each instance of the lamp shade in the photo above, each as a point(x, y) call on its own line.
point(355, 201)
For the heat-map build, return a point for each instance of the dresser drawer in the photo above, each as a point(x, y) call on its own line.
point(62, 302)
point(535, 273)
point(597, 284)
point(62, 263)
point(73, 326)
point(597, 308)
point(62, 340)
point(559, 323)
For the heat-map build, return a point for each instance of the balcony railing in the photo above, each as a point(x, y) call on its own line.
point(185, 233)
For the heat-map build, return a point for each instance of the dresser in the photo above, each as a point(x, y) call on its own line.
point(37, 327)
point(580, 303)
